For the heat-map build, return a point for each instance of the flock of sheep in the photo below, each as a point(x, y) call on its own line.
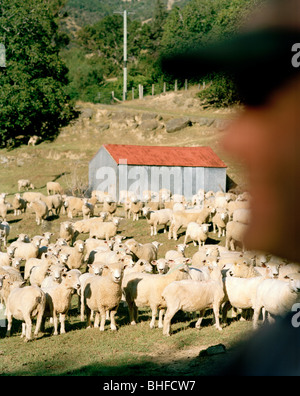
point(39, 274)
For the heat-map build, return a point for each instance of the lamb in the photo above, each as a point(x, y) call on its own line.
point(54, 188)
point(105, 230)
point(19, 204)
point(143, 290)
point(276, 296)
point(220, 220)
point(157, 217)
point(197, 233)
point(103, 294)
point(25, 184)
point(40, 209)
point(183, 218)
point(25, 303)
point(58, 298)
point(146, 252)
point(136, 207)
point(53, 276)
point(76, 253)
point(192, 296)
point(235, 232)
point(25, 250)
point(36, 263)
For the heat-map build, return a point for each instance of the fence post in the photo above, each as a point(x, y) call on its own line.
point(165, 87)
point(132, 93)
point(141, 91)
point(176, 86)
point(186, 84)
point(153, 89)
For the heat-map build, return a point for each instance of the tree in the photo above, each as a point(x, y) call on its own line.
point(32, 97)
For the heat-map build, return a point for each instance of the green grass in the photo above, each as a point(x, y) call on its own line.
point(132, 350)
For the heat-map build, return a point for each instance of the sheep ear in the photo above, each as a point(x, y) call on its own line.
point(287, 277)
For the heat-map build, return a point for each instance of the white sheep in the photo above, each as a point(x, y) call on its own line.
point(54, 203)
point(25, 250)
point(75, 254)
point(31, 196)
point(145, 251)
point(25, 184)
point(105, 230)
point(157, 217)
point(73, 206)
point(145, 290)
point(192, 296)
point(6, 257)
point(277, 297)
point(235, 232)
point(197, 232)
point(25, 303)
point(3, 208)
point(87, 209)
point(242, 215)
point(58, 298)
point(178, 253)
point(67, 231)
point(40, 209)
point(19, 204)
point(183, 218)
point(109, 206)
point(220, 220)
point(102, 294)
point(136, 207)
point(54, 188)
point(4, 231)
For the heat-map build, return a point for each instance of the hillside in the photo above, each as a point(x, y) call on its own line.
point(91, 11)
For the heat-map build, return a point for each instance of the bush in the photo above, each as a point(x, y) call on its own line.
point(220, 92)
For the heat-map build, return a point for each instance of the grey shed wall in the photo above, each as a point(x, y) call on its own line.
point(106, 175)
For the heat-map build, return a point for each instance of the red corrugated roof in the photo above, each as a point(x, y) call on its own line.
point(165, 156)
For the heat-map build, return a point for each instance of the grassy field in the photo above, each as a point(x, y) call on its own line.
point(132, 350)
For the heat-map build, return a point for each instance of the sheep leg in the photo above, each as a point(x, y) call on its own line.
point(256, 316)
point(96, 320)
point(199, 321)
point(167, 320)
point(62, 318)
point(185, 238)
point(154, 314)
point(103, 319)
point(170, 231)
point(88, 317)
point(160, 318)
point(9, 323)
point(28, 327)
point(132, 309)
point(38, 322)
point(23, 334)
point(113, 320)
point(216, 309)
point(55, 323)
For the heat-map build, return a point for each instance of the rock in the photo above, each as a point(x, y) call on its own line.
point(87, 113)
point(148, 116)
point(177, 124)
point(213, 350)
point(149, 125)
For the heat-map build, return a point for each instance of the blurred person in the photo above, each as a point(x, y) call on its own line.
point(264, 60)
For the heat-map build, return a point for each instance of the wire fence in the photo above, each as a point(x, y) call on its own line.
point(141, 91)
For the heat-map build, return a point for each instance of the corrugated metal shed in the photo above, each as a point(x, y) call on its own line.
point(165, 156)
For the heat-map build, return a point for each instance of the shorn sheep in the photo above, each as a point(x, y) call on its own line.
point(25, 303)
point(277, 297)
point(197, 233)
point(104, 293)
point(58, 298)
point(192, 296)
point(157, 217)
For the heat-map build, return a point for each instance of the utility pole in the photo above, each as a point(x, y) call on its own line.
point(125, 13)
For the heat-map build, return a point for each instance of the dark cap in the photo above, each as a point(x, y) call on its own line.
point(259, 60)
